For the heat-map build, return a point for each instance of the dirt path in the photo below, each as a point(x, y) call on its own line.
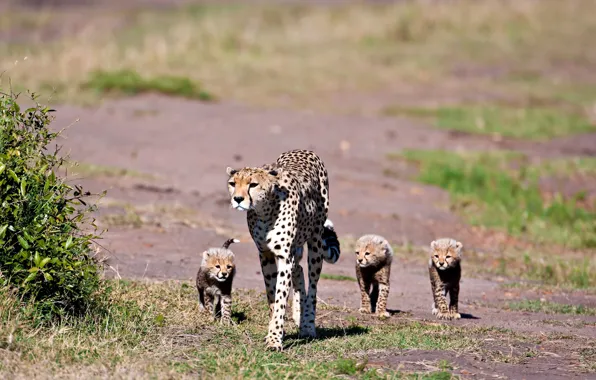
point(184, 208)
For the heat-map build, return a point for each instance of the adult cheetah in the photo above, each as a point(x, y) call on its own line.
point(287, 204)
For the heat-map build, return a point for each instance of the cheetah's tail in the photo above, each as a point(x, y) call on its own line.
point(230, 241)
point(330, 243)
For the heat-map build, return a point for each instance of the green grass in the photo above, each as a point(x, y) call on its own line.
point(289, 54)
point(129, 82)
point(536, 306)
point(155, 330)
point(524, 123)
point(569, 167)
point(87, 170)
point(500, 190)
point(336, 277)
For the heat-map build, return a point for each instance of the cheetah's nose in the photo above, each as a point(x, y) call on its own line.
point(359, 260)
point(238, 199)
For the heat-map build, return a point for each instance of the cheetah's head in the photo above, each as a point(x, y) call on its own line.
point(220, 263)
point(249, 187)
point(445, 253)
point(372, 251)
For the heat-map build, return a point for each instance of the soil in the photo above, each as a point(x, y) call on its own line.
point(185, 146)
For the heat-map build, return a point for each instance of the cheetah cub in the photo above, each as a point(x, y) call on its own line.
point(214, 281)
point(445, 272)
point(373, 267)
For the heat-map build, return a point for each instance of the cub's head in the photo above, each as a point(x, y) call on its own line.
point(445, 253)
point(219, 263)
point(372, 251)
point(250, 186)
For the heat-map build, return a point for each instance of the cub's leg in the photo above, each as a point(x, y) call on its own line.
point(216, 305)
point(201, 299)
point(209, 304)
point(384, 285)
point(226, 308)
point(453, 301)
point(365, 285)
point(440, 303)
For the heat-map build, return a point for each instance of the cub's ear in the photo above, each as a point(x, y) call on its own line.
point(458, 245)
point(231, 171)
point(206, 255)
point(273, 172)
point(433, 244)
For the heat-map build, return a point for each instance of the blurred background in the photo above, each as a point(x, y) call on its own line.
point(470, 119)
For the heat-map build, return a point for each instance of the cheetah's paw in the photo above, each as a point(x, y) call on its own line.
point(383, 315)
point(273, 343)
point(444, 315)
point(364, 310)
point(308, 332)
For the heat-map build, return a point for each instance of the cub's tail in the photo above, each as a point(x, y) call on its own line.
point(230, 241)
point(330, 243)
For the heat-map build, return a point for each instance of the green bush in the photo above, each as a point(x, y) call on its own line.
point(45, 229)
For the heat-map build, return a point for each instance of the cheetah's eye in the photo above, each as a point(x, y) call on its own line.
point(366, 253)
point(448, 256)
point(436, 256)
point(229, 267)
point(217, 266)
point(232, 183)
point(357, 252)
point(253, 185)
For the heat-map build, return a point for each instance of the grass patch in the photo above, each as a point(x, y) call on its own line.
point(524, 123)
point(280, 54)
point(336, 277)
point(129, 82)
point(92, 170)
point(500, 190)
point(155, 330)
point(536, 306)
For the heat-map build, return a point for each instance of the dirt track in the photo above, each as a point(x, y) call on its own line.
point(186, 147)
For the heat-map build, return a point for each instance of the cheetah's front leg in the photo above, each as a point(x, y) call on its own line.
point(315, 264)
point(276, 323)
point(299, 294)
point(269, 271)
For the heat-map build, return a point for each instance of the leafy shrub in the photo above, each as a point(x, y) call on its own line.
point(44, 245)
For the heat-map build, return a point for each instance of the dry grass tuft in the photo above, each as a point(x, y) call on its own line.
point(279, 54)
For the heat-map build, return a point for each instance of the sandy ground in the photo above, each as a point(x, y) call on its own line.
point(185, 147)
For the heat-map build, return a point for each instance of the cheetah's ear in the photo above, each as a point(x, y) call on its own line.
point(273, 172)
point(231, 171)
point(433, 244)
point(458, 246)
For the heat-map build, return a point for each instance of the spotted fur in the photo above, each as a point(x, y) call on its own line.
point(374, 256)
point(444, 267)
point(287, 204)
point(214, 281)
